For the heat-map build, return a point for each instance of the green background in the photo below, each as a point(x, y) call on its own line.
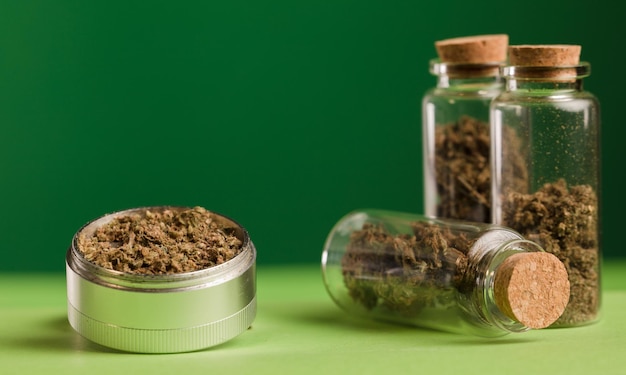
point(283, 115)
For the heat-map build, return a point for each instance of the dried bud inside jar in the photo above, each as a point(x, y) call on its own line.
point(444, 274)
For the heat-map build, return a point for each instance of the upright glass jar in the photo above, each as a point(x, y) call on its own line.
point(455, 126)
point(546, 165)
point(445, 274)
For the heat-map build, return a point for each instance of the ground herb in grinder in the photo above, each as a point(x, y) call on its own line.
point(161, 241)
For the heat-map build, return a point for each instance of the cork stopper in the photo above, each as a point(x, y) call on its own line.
point(532, 288)
point(473, 49)
point(545, 55)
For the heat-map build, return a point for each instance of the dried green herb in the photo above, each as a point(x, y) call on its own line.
point(564, 221)
point(405, 273)
point(463, 171)
point(161, 242)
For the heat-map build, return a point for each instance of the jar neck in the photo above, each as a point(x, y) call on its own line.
point(465, 74)
point(485, 256)
point(545, 78)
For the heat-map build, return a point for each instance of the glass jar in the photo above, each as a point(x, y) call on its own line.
point(445, 274)
point(546, 165)
point(455, 126)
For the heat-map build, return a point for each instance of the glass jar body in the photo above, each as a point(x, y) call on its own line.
point(420, 271)
point(455, 136)
point(546, 168)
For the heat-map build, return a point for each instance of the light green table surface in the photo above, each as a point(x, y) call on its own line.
point(298, 330)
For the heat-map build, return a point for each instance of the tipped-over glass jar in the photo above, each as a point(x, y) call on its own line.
point(546, 165)
point(445, 274)
point(455, 126)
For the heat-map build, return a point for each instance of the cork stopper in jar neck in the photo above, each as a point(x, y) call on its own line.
point(532, 288)
point(549, 62)
point(473, 49)
point(471, 56)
